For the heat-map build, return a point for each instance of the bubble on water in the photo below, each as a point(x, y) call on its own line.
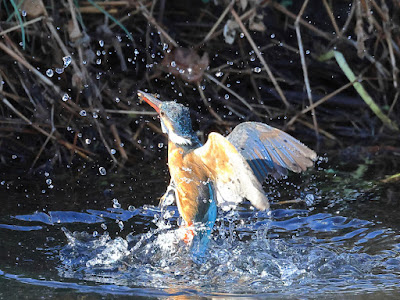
point(102, 171)
point(65, 97)
point(49, 73)
point(257, 69)
point(83, 113)
point(67, 60)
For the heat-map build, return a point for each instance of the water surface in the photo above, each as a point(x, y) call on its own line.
point(103, 236)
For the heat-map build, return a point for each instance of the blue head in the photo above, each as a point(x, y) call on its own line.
point(175, 119)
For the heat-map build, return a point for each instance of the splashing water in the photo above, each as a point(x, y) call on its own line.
point(291, 251)
point(312, 249)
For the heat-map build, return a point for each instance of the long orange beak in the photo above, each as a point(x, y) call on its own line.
point(151, 100)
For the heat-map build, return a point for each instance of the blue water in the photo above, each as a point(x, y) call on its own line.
point(342, 242)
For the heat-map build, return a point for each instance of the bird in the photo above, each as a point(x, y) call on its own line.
point(223, 171)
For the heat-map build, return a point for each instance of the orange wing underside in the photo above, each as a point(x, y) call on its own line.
point(190, 178)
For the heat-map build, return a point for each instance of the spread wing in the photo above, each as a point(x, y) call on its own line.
point(233, 178)
point(270, 151)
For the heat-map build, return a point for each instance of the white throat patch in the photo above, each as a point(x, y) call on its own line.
point(176, 139)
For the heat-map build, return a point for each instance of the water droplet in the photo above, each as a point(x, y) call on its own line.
point(273, 36)
point(23, 13)
point(173, 64)
point(59, 70)
point(257, 69)
point(67, 60)
point(104, 226)
point(116, 203)
point(88, 141)
point(226, 96)
point(83, 113)
point(117, 100)
point(131, 208)
point(160, 145)
point(121, 225)
point(136, 52)
point(219, 74)
point(101, 43)
point(65, 97)
point(14, 156)
point(49, 73)
point(98, 61)
point(113, 151)
point(48, 181)
point(95, 115)
point(102, 171)
point(309, 199)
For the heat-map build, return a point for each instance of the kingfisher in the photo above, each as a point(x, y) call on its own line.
point(225, 170)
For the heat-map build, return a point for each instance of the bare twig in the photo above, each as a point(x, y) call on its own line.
point(78, 150)
point(304, 66)
point(241, 99)
point(318, 103)
point(225, 12)
point(332, 17)
point(260, 57)
point(18, 27)
point(153, 21)
point(206, 104)
point(118, 142)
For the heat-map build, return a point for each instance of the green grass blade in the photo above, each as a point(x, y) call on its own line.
point(21, 23)
point(359, 88)
point(112, 18)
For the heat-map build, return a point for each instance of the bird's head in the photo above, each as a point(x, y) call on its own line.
point(174, 117)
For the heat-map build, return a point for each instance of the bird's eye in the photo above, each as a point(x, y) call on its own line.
point(162, 114)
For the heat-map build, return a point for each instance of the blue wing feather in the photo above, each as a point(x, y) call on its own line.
point(270, 151)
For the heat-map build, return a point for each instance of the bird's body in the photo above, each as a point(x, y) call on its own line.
point(223, 171)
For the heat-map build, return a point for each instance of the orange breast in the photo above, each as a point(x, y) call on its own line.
point(190, 176)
